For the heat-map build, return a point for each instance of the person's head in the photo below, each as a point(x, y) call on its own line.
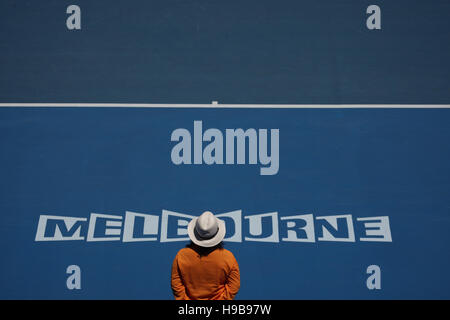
point(204, 251)
point(206, 232)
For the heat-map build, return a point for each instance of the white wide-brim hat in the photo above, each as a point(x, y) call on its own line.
point(206, 230)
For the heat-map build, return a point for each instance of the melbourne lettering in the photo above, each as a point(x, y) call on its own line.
point(172, 226)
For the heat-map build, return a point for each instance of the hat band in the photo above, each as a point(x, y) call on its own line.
point(200, 237)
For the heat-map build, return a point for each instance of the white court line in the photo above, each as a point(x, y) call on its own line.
point(216, 105)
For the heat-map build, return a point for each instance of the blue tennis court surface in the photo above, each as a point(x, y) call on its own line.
point(319, 203)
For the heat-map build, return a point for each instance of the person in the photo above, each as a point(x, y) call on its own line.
point(204, 270)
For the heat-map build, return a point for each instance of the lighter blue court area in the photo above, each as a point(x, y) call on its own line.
point(346, 164)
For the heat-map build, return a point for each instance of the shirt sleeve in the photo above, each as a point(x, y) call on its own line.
point(233, 280)
point(178, 288)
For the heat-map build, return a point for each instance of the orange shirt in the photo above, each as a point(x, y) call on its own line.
point(212, 277)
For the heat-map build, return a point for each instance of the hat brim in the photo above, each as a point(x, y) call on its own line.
point(220, 235)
